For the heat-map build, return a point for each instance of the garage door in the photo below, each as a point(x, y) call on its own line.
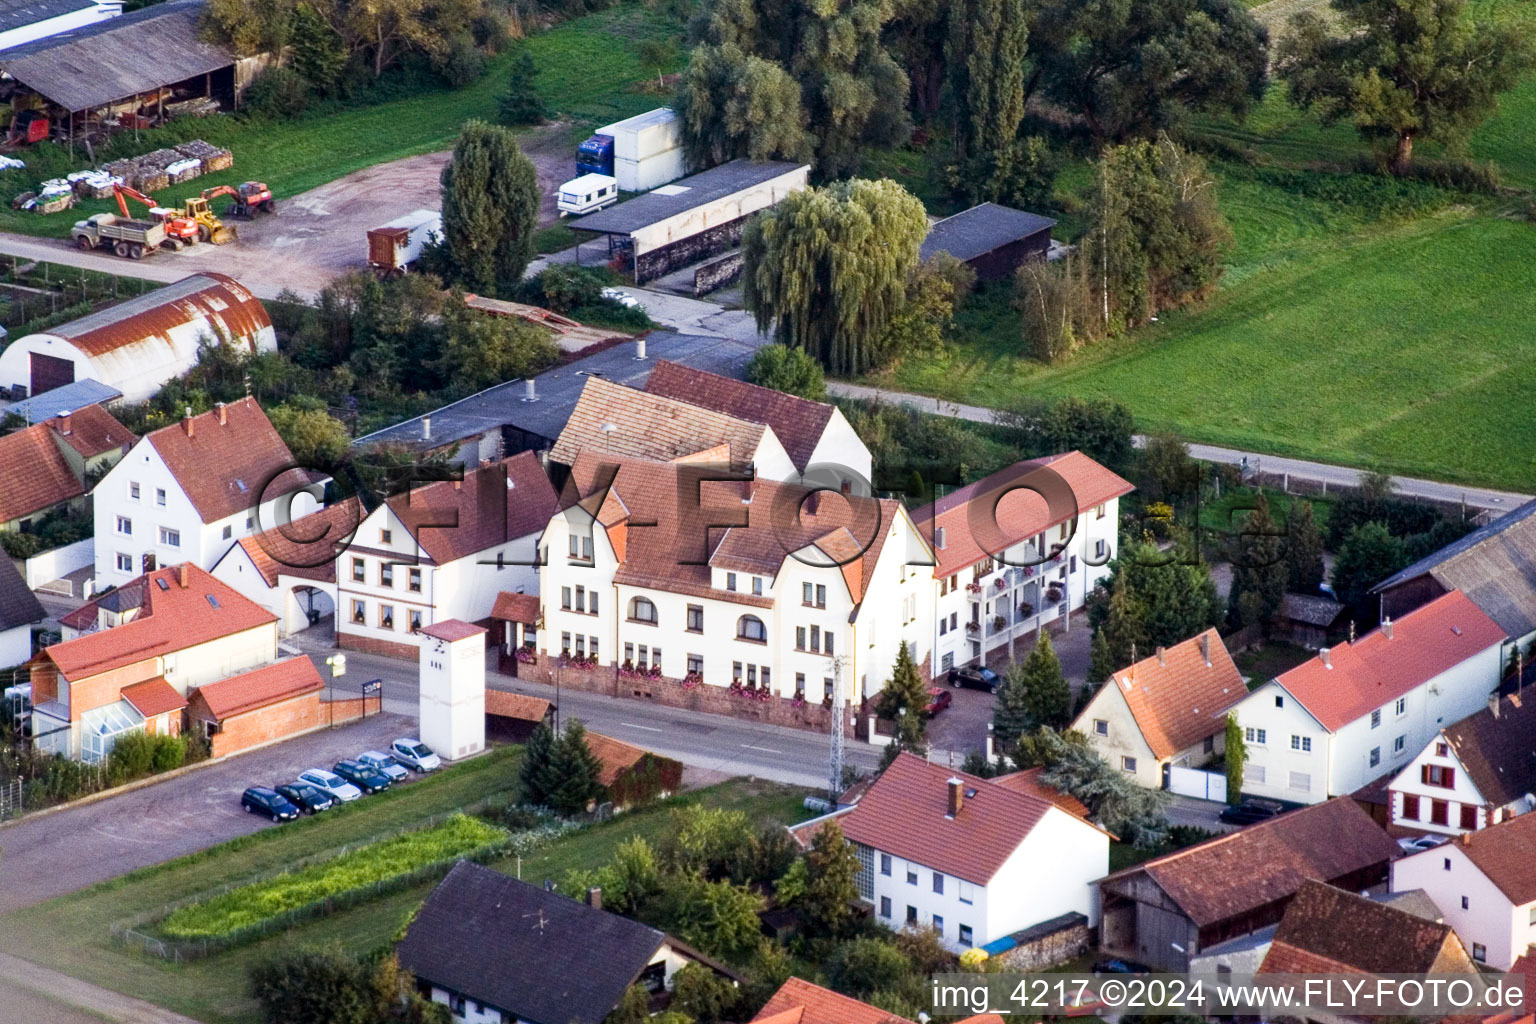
point(49, 372)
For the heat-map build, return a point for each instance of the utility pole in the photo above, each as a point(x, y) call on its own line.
point(835, 769)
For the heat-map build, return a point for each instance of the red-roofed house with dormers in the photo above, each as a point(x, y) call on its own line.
point(1017, 550)
point(1359, 711)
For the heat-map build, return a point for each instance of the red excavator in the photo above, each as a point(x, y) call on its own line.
point(180, 231)
point(246, 198)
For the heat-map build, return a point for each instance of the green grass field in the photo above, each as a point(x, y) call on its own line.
point(70, 933)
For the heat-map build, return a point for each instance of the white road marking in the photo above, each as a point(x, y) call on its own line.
point(647, 728)
point(766, 750)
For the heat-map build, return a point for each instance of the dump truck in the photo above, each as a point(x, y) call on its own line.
point(130, 239)
point(180, 231)
point(393, 248)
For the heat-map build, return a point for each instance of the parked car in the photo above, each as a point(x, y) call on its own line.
point(308, 798)
point(1251, 811)
point(383, 762)
point(331, 784)
point(1114, 965)
point(1418, 844)
point(975, 677)
point(369, 780)
point(415, 754)
point(261, 800)
point(938, 700)
point(1085, 1003)
point(622, 297)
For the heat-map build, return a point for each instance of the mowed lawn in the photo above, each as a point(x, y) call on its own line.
point(70, 934)
point(1405, 346)
point(587, 71)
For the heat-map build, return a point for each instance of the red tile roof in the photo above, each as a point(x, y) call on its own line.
point(37, 475)
point(451, 630)
point(625, 421)
point(1375, 670)
point(270, 684)
point(905, 813)
point(1176, 698)
point(307, 546)
point(516, 705)
point(92, 430)
point(799, 1002)
point(522, 608)
point(154, 697)
point(228, 467)
point(492, 505)
point(798, 422)
point(1028, 781)
point(1326, 930)
point(1502, 852)
point(614, 755)
point(1241, 871)
point(173, 618)
point(994, 513)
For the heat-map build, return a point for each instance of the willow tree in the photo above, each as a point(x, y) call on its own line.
point(828, 267)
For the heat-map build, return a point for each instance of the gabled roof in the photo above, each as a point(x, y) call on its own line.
point(494, 939)
point(1329, 931)
point(1312, 609)
point(1180, 696)
point(1377, 669)
point(18, 605)
point(799, 1002)
point(905, 813)
point(1023, 500)
point(689, 536)
point(1499, 751)
point(154, 697)
point(981, 229)
point(1028, 782)
point(230, 466)
point(451, 630)
point(798, 422)
point(120, 601)
point(20, 13)
point(614, 755)
point(618, 420)
point(1242, 871)
point(174, 618)
point(1494, 565)
point(490, 506)
point(1502, 853)
point(522, 608)
point(91, 431)
point(259, 688)
point(516, 705)
point(37, 475)
point(307, 546)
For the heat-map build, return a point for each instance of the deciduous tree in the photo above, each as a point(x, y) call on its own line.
point(1368, 555)
point(789, 370)
point(823, 884)
point(490, 209)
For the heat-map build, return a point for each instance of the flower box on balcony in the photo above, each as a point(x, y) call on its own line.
point(972, 627)
point(974, 588)
point(525, 656)
point(1000, 583)
point(999, 622)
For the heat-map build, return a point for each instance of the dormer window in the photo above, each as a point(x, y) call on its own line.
point(730, 581)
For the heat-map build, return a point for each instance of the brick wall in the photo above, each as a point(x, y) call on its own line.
point(373, 645)
point(715, 700)
point(287, 719)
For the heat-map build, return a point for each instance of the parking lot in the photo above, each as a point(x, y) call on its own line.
point(52, 854)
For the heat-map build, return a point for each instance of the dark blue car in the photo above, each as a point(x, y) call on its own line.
point(261, 800)
point(365, 778)
point(307, 798)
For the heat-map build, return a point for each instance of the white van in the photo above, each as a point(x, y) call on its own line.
point(587, 194)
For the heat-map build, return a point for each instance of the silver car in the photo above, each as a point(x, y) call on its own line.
point(332, 784)
point(384, 763)
point(415, 753)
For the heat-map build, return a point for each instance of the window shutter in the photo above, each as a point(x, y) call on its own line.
point(1450, 777)
point(1424, 774)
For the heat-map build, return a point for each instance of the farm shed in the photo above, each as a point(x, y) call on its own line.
point(138, 60)
point(993, 240)
point(695, 217)
point(138, 345)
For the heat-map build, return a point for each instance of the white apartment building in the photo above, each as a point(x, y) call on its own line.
point(1360, 711)
point(189, 491)
point(1017, 550)
point(291, 570)
point(442, 551)
point(667, 567)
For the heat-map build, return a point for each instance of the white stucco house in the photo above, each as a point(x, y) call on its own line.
point(1360, 711)
point(188, 492)
point(819, 439)
point(973, 858)
point(1166, 710)
point(290, 570)
point(1017, 550)
point(1472, 773)
point(713, 581)
point(1484, 883)
point(442, 551)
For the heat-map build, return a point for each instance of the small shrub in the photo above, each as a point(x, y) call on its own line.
point(564, 286)
point(463, 63)
point(279, 92)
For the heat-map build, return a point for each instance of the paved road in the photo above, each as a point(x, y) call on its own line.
point(52, 854)
point(1298, 469)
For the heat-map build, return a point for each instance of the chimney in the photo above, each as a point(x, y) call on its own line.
point(956, 796)
point(183, 576)
point(426, 428)
point(186, 423)
point(1322, 652)
point(1386, 627)
point(530, 390)
point(64, 422)
point(639, 348)
point(1205, 648)
point(939, 539)
point(595, 897)
point(1162, 656)
point(223, 414)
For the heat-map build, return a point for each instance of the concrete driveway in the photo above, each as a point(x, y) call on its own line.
point(48, 855)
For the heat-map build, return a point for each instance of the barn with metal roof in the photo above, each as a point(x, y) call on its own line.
point(138, 345)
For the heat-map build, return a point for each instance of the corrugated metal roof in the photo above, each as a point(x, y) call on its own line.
point(218, 297)
point(683, 195)
point(21, 13)
point(124, 56)
point(70, 397)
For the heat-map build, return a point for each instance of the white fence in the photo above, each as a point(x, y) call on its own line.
point(47, 566)
point(1199, 784)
